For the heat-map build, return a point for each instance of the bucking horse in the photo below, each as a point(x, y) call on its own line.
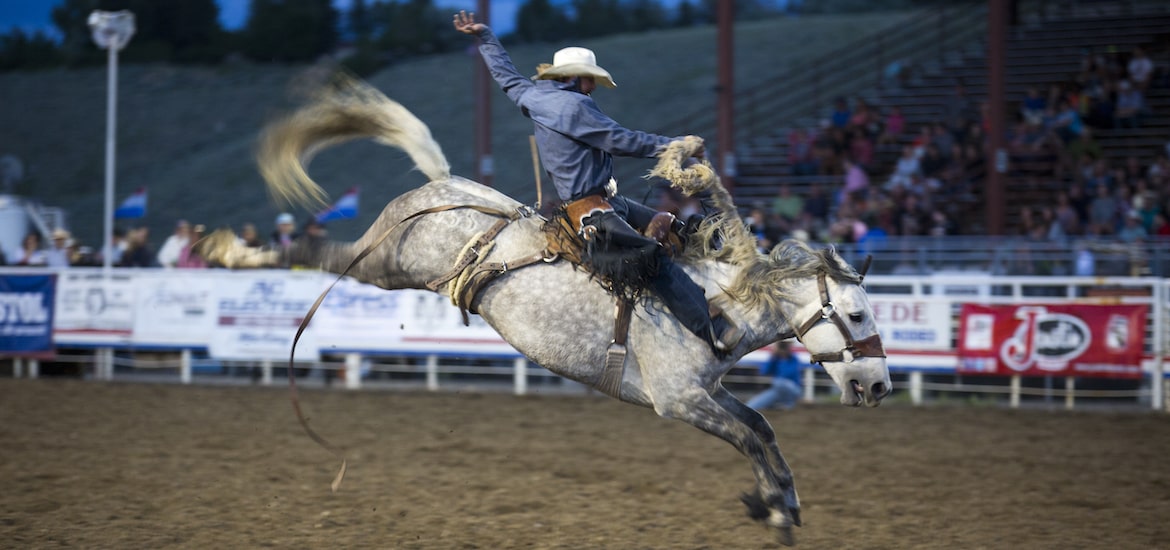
point(491, 254)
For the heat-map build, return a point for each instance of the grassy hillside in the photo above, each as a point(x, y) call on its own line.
point(187, 134)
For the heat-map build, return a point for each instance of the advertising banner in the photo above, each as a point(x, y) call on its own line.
point(93, 309)
point(1052, 340)
point(356, 316)
point(913, 324)
point(257, 315)
point(175, 308)
point(26, 314)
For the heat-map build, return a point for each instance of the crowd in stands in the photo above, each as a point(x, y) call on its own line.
point(132, 248)
point(941, 164)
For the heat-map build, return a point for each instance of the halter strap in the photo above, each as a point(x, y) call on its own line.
point(870, 346)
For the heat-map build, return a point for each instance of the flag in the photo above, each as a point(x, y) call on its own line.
point(134, 206)
point(344, 209)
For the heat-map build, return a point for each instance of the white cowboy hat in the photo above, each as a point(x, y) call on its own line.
point(574, 61)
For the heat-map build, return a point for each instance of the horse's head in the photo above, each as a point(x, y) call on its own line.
point(819, 300)
point(837, 328)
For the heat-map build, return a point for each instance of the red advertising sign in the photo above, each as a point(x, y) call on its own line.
point(1052, 340)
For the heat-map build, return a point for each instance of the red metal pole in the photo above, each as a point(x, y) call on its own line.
point(725, 135)
point(483, 108)
point(997, 158)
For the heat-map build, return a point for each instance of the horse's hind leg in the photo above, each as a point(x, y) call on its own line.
point(757, 502)
point(699, 409)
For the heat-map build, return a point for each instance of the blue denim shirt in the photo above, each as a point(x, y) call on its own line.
point(575, 139)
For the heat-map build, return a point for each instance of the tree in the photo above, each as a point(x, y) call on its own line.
point(175, 30)
point(21, 51)
point(598, 18)
point(415, 27)
point(290, 30)
point(541, 21)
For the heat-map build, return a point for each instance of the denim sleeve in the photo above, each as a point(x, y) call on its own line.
point(500, 66)
point(598, 130)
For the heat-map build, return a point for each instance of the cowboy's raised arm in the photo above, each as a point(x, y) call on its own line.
point(496, 58)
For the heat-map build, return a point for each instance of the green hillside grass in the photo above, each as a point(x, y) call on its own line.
point(187, 134)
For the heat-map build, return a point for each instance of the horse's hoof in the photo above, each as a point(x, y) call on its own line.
point(785, 536)
point(795, 513)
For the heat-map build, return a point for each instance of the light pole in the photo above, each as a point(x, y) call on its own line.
point(111, 31)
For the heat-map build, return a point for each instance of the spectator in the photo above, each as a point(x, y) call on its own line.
point(1133, 230)
point(30, 251)
point(785, 369)
point(116, 247)
point(1140, 69)
point(800, 152)
point(861, 148)
point(138, 252)
point(932, 163)
point(1032, 107)
point(168, 255)
point(817, 205)
point(894, 126)
point(188, 258)
point(1161, 226)
point(1103, 211)
point(856, 181)
point(841, 113)
point(864, 119)
point(1068, 124)
point(59, 254)
point(313, 230)
point(908, 166)
point(1130, 106)
point(787, 204)
point(285, 232)
point(250, 237)
point(1066, 215)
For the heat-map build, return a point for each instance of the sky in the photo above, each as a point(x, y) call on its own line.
point(33, 15)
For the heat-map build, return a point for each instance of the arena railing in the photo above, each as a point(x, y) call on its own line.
point(99, 340)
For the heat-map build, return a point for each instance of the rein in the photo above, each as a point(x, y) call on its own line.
point(510, 215)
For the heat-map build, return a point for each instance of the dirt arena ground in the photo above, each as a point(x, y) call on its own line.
point(118, 465)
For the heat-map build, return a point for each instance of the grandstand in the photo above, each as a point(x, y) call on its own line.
point(915, 69)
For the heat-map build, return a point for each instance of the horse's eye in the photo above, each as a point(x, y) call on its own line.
point(855, 317)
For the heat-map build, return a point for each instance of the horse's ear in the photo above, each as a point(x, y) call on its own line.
point(865, 266)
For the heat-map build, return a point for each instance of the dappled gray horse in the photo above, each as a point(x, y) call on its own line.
point(561, 318)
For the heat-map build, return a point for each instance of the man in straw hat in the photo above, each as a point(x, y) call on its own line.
point(577, 143)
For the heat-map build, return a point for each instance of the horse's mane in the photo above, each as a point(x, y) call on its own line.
point(723, 237)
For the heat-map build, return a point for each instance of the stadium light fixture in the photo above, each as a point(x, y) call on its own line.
point(111, 31)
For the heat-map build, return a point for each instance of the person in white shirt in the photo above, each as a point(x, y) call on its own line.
point(1140, 68)
point(57, 255)
point(168, 255)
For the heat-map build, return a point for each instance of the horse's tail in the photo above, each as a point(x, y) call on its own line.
point(349, 109)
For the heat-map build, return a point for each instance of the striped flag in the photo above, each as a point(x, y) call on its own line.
point(345, 208)
point(134, 206)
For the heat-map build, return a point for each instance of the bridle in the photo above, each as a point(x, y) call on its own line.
point(870, 346)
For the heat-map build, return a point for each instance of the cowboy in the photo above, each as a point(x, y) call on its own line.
point(577, 143)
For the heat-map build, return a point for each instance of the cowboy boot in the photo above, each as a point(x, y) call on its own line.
point(725, 333)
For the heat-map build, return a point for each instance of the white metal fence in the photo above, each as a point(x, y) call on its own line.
point(442, 354)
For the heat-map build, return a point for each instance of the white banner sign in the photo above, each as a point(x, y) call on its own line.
point(90, 308)
point(175, 308)
point(908, 324)
point(257, 315)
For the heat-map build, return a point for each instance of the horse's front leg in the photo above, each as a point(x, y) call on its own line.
point(760, 505)
point(699, 409)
